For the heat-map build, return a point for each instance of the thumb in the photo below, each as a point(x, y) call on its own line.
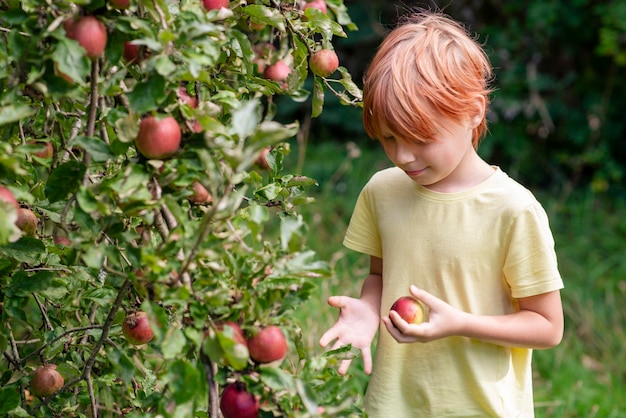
point(423, 296)
point(337, 301)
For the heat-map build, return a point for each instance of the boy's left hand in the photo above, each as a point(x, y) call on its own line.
point(443, 320)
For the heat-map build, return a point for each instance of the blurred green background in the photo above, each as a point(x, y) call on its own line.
point(556, 125)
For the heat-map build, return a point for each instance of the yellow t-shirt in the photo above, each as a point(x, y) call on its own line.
point(478, 250)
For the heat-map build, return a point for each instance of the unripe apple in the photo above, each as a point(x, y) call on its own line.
point(136, 328)
point(317, 4)
point(409, 309)
point(237, 402)
point(214, 4)
point(200, 194)
point(158, 138)
point(7, 196)
point(26, 221)
point(89, 32)
point(46, 380)
point(268, 345)
point(277, 72)
point(324, 62)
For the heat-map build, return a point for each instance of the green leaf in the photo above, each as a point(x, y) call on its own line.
point(27, 250)
point(9, 399)
point(147, 96)
point(246, 118)
point(70, 59)
point(97, 148)
point(184, 381)
point(15, 112)
point(22, 284)
point(318, 97)
point(267, 15)
point(276, 378)
point(65, 179)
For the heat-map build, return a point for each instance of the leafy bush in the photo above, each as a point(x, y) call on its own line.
point(185, 235)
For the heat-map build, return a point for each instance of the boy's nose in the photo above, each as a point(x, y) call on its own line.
point(403, 153)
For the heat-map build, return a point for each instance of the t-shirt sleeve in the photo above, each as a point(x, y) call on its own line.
point(531, 265)
point(362, 234)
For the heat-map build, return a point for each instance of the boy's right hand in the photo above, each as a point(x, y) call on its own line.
point(357, 324)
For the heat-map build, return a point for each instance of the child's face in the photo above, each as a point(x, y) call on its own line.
point(439, 163)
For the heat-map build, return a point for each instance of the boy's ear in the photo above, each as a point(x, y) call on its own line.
point(478, 113)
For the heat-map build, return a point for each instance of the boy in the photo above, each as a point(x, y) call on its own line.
point(471, 244)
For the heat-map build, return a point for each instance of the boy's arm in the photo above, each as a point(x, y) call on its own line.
point(359, 319)
point(538, 324)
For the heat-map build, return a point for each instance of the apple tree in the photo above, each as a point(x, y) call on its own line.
point(151, 249)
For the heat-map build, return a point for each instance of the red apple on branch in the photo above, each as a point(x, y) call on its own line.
point(186, 98)
point(214, 4)
point(268, 345)
point(136, 328)
point(158, 138)
point(409, 309)
point(46, 380)
point(46, 148)
point(26, 221)
point(89, 32)
point(277, 72)
point(317, 4)
point(200, 194)
point(7, 196)
point(324, 62)
point(119, 4)
point(237, 402)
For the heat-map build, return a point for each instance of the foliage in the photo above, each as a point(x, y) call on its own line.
point(555, 119)
point(138, 238)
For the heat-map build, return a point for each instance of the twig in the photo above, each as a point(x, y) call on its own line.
point(43, 313)
point(210, 378)
point(57, 338)
point(93, 111)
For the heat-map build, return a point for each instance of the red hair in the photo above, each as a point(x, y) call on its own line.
point(426, 68)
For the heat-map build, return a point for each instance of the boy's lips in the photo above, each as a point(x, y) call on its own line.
point(414, 173)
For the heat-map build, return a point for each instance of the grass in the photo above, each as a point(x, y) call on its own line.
point(584, 376)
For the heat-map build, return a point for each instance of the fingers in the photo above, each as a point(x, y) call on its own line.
point(367, 360)
point(328, 336)
point(337, 301)
point(344, 366)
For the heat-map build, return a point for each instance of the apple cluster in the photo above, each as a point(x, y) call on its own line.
point(265, 346)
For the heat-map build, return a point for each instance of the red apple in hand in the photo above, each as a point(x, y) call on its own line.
point(237, 402)
point(7, 196)
point(46, 380)
point(409, 309)
point(268, 345)
point(89, 32)
point(324, 62)
point(158, 138)
point(136, 328)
